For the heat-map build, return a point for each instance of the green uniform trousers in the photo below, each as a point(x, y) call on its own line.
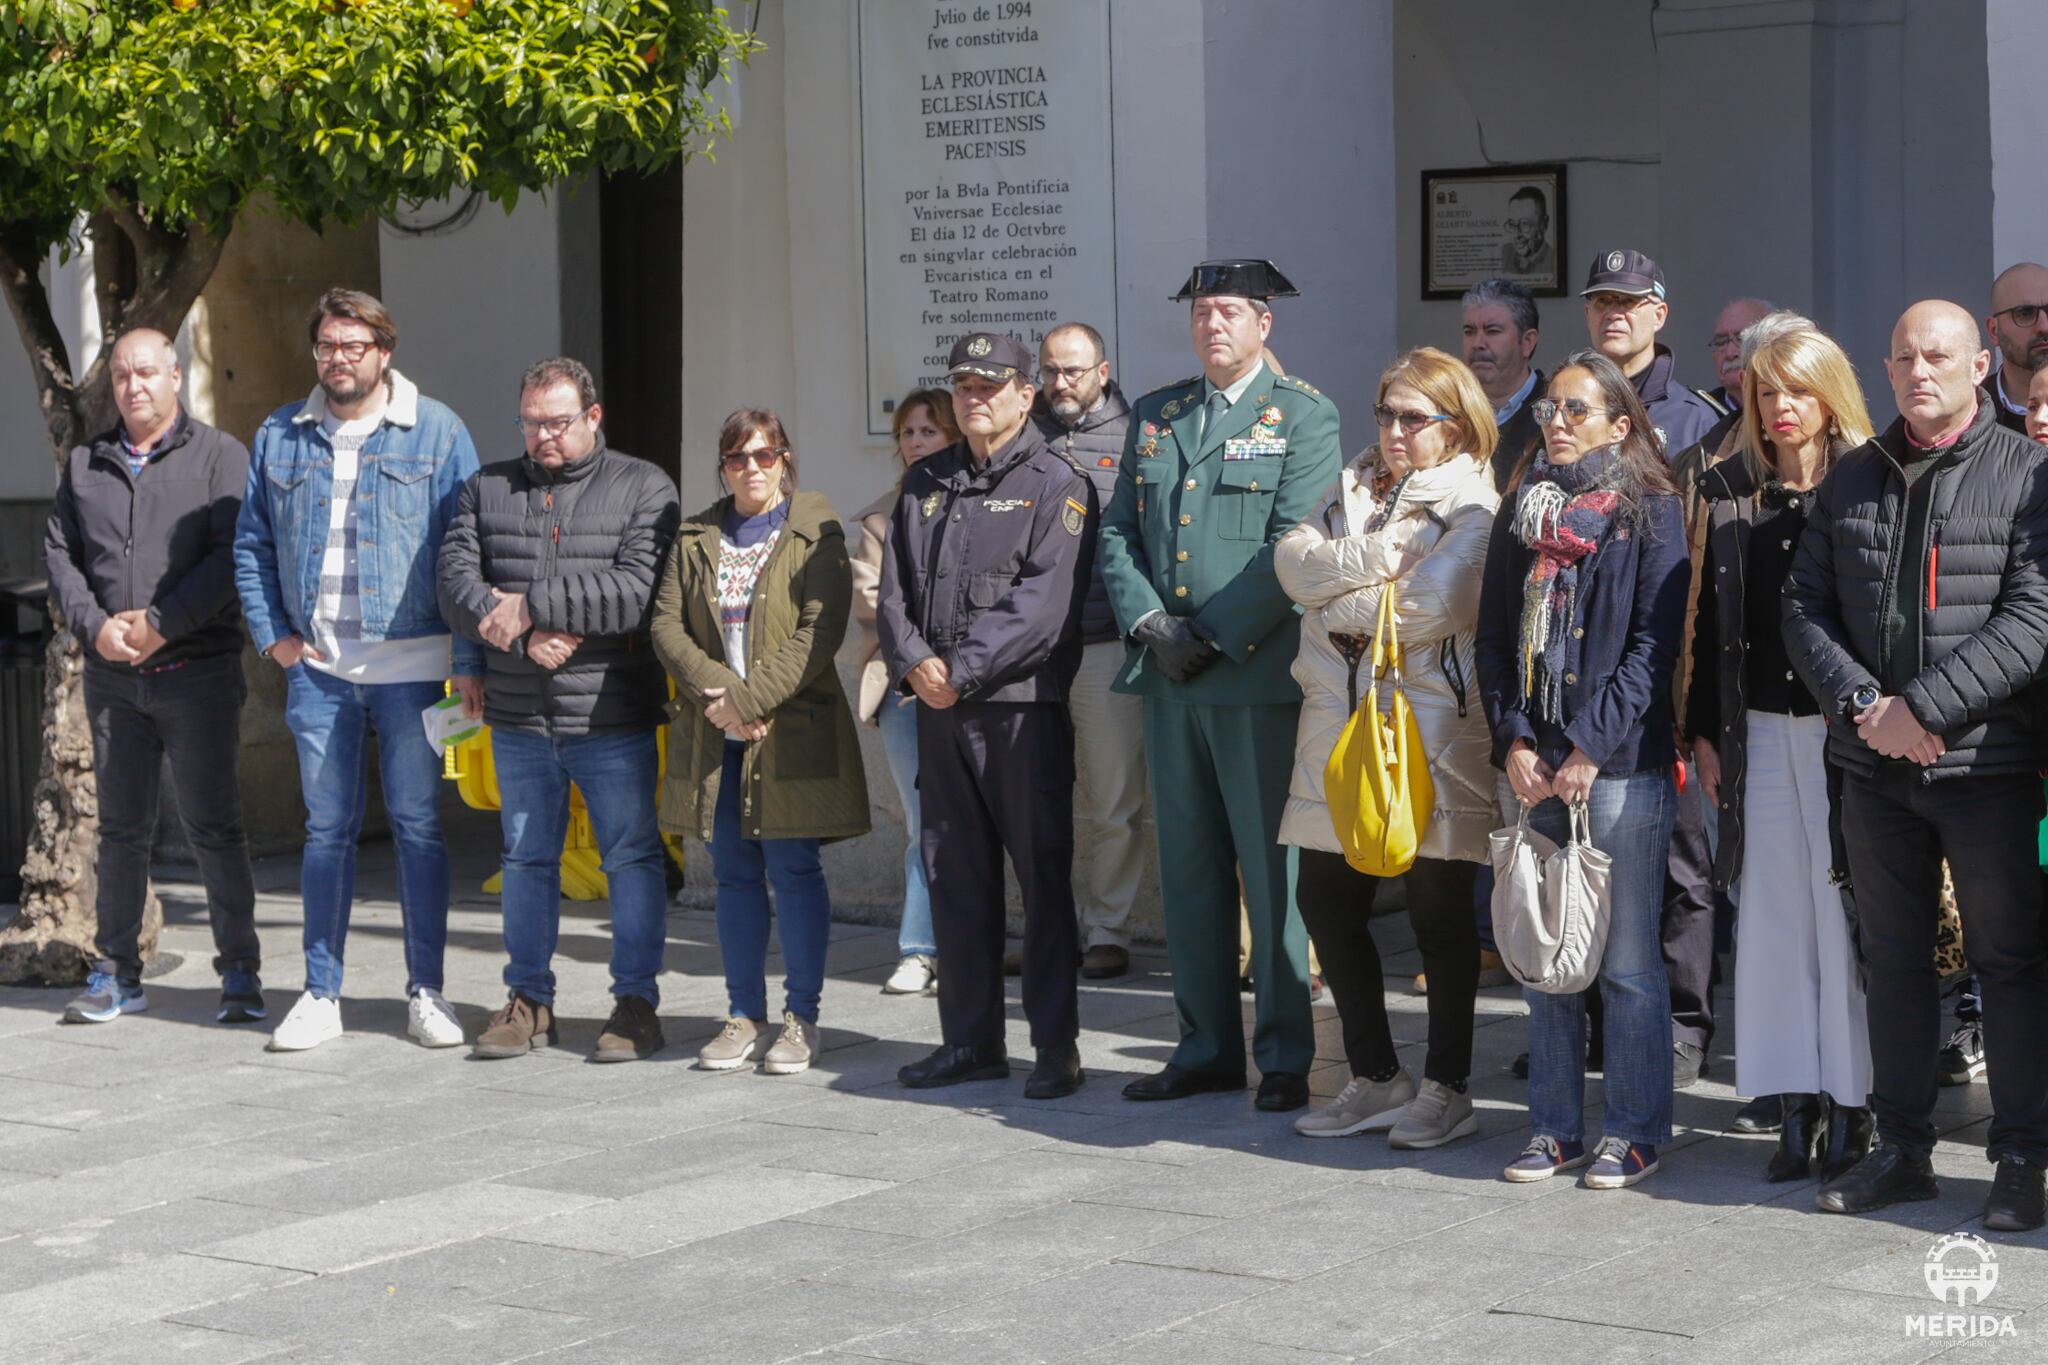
point(1219, 783)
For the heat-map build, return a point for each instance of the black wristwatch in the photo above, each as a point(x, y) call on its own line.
point(1861, 700)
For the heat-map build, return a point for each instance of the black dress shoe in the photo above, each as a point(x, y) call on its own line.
point(1845, 1140)
point(1688, 1064)
point(1280, 1091)
point(1171, 1082)
point(1057, 1075)
point(1105, 962)
point(1886, 1177)
point(952, 1065)
point(2018, 1201)
point(1761, 1115)
point(1801, 1130)
point(1520, 1066)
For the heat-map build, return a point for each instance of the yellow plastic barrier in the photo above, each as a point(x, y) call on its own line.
point(469, 765)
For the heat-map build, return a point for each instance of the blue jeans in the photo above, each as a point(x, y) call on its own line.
point(1631, 822)
point(331, 720)
point(616, 771)
point(744, 869)
point(899, 744)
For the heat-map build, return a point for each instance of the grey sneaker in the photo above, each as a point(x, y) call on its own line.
point(105, 998)
point(1361, 1107)
point(735, 1046)
point(792, 1052)
point(1438, 1115)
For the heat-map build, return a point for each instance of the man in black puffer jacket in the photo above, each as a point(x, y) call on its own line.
point(1083, 416)
point(1917, 612)
point(551, 563)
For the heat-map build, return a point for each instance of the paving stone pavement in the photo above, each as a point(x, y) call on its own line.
point(171, 1191)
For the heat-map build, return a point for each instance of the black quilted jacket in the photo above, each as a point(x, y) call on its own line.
point(1979, 577)
point(585, 544)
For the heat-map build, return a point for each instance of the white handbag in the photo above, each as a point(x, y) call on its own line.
point(1551, 905)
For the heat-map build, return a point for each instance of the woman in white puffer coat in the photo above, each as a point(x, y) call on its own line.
point(1413, 514)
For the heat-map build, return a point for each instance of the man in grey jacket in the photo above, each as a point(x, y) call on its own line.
point(550, 563)
point(140, 553)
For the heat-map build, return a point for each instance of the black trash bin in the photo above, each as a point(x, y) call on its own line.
point(24, 635)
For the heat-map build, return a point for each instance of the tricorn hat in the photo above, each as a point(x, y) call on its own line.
point(1243, 279)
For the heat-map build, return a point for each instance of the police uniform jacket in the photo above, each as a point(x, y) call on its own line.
point(1192, 525)
point(986, 569)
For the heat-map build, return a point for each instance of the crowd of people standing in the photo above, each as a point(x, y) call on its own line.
point(1780, 667)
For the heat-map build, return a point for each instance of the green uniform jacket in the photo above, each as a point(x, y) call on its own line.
point(1191, 531)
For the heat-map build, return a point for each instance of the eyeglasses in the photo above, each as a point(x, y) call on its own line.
point(1721, 341)
point(740, 459)
point(1052, 374)
point(1617, 303)
point(1575, 410)
point(2023, 314)
point(351, 351)
point(545, 427)
point(1406, 421)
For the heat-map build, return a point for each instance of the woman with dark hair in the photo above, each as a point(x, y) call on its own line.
point(1759, 743)
point(1580, 621)
point(923, 426)
point(763, 762)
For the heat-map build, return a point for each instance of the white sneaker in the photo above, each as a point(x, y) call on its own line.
point(914, 975)
point(312, 1021)
point(430, 1018)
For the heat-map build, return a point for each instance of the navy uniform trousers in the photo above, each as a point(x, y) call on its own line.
point(996, 776)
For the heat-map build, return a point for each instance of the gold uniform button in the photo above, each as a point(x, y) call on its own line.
point(1570, 679)
point(1578, 632)
point(1190, 484)
point(1141, 478)
point(1181, 555)
point(1186, 520)
point(1249, 649)
point(1255, 485)
point(1181, 591)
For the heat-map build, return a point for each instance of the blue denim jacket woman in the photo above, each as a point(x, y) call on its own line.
point(1580, 620)
point(421, 456)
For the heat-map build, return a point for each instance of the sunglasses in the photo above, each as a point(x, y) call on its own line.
point(740, 459)
point(1406, 421)
point(1575, 411)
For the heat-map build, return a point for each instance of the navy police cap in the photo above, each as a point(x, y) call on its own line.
point(992, 355)
point(1624, 272)
point(1242, 279)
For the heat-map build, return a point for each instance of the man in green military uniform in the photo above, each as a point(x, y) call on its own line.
point(1215, 469)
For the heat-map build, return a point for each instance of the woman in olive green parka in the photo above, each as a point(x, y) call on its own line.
point(763, 760)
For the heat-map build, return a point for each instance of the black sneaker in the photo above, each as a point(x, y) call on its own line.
point(2019, 1196)
point(241, 999)
point(1688, 1064)
point(1886, 1177)
point(1962, 1056)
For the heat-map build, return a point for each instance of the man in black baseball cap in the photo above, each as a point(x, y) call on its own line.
point(1625, 309)
point(979, 615)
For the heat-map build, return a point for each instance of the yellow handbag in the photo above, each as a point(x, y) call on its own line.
point(1377, 781)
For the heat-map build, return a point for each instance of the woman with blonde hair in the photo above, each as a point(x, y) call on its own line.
point(923, 425)
point(1410, 516)
point(1758, 741)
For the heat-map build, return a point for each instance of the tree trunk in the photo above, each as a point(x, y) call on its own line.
point(145, 276)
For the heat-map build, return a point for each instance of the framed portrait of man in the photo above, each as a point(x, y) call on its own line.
point(1505, 221)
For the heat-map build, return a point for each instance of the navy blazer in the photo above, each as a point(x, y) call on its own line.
point(1616, 693)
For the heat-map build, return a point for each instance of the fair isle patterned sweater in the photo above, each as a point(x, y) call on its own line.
point(744, 544)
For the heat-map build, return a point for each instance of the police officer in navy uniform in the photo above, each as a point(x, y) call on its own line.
point(979, 615)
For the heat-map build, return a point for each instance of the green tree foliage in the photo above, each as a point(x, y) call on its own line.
point(149, 125)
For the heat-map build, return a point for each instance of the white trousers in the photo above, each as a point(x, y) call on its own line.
point(1109, 797)
point(1799, 1021)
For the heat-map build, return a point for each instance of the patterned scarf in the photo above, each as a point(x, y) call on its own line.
point(1566, 512)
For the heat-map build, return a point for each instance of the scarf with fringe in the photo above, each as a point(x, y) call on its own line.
point(1565, 513)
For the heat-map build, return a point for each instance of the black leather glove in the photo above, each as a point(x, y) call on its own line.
point(1182, 653)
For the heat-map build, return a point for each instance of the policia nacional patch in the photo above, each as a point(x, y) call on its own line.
point(1073, 516)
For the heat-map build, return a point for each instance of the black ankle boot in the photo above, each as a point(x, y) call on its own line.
point(1846, 1141)
point(1801, 1133)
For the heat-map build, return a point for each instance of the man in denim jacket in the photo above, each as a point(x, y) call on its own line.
point(349, 495)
